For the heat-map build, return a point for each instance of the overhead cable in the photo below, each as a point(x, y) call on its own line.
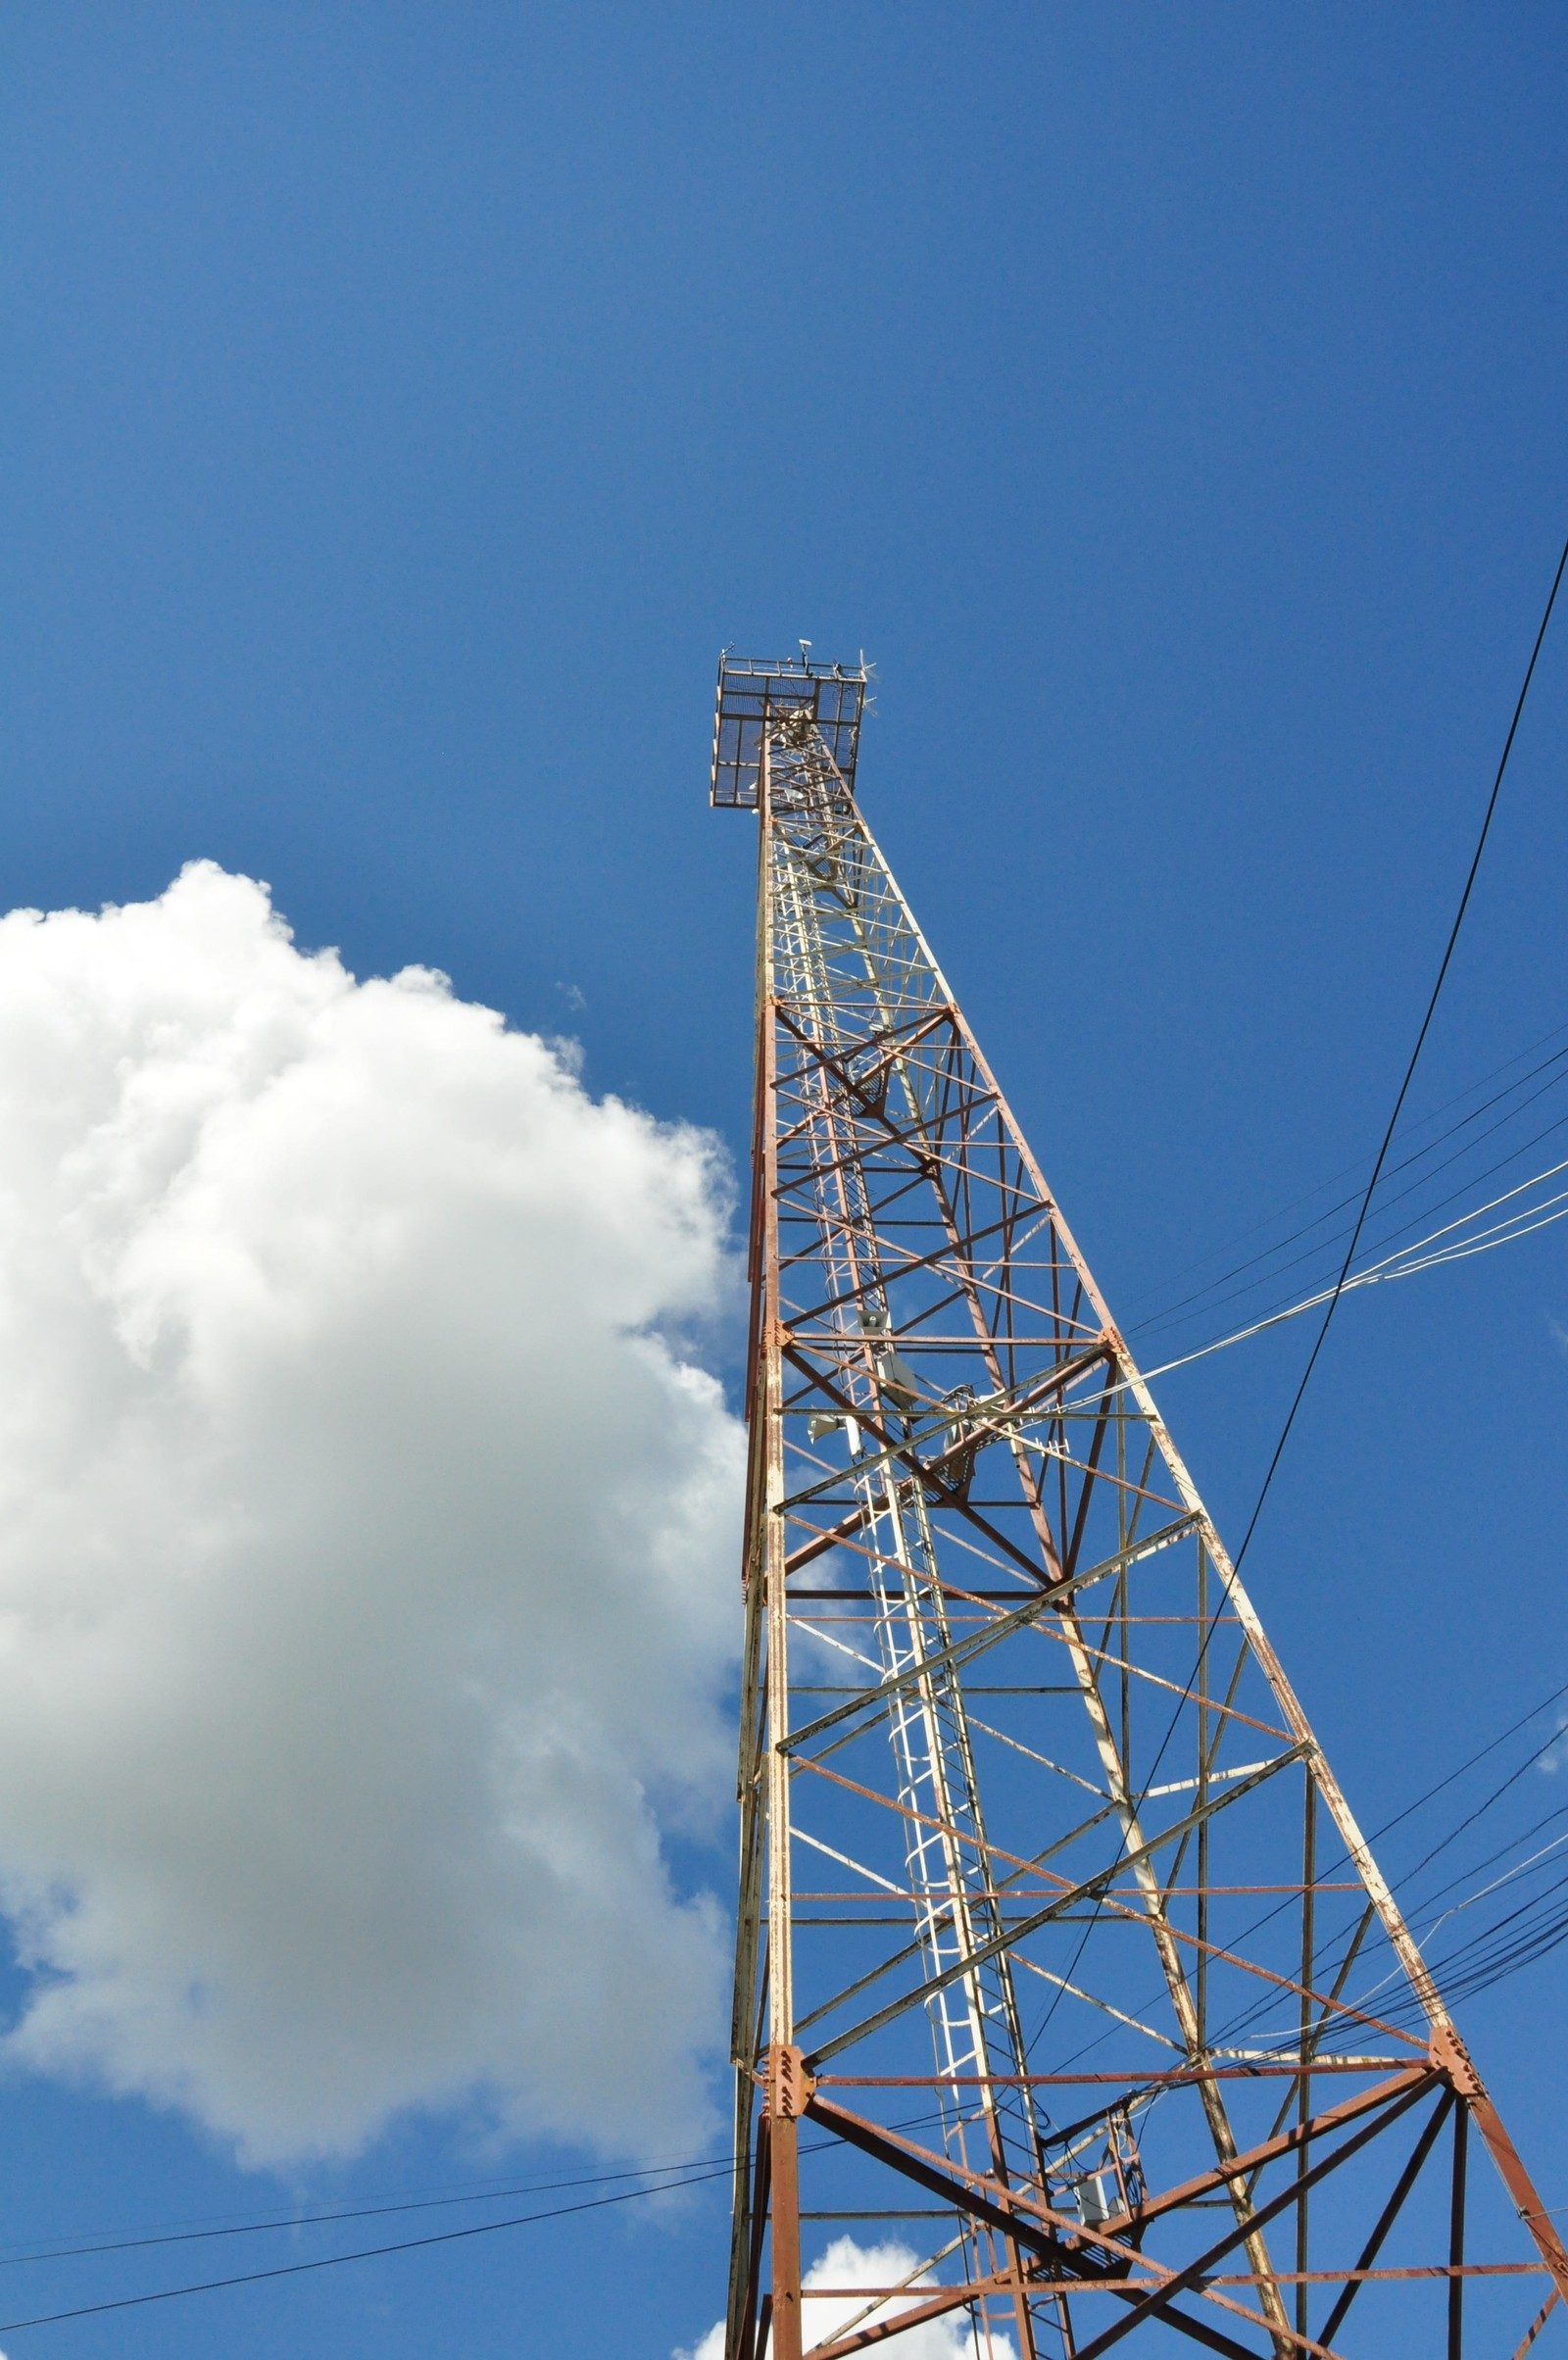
point(1409, 1071)
point(1402, 1264)
point(1283, 1211)
point(1177, 1314)
point(365, 2254)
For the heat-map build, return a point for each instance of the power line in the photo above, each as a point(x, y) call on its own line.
point(670, 2177)
point(1499, 1852)
point(365, 2253)
point(1497, 1795)
point(1507, 1232)
point(1281, 1213)
point(658, 2175)
point(1512, 1730)
point(1175, 1313)
point(1409, 1071)
point(1474, 1180)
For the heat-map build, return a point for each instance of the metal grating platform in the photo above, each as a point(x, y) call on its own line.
point(751, 690)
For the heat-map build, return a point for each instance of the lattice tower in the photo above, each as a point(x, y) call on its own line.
point(1060, 1959)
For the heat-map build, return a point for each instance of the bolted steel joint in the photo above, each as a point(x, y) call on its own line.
point(787, 2087)
point(1450, 2057)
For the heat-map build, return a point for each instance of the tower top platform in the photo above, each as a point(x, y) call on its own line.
point(753, 690)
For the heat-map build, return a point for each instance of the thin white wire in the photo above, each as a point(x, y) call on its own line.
point(1401, 1253)
point(1401, 1264)
point(1506, 1878)
point(1516, 1226)
point(1394, 1973)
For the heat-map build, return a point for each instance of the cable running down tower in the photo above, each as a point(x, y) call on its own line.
point(1060, 1959)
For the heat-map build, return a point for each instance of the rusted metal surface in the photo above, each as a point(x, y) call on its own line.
point(1098, 1931)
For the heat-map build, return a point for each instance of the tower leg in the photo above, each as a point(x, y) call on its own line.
point(785, 2243)
point(1461, 2126)
point(783, 2133)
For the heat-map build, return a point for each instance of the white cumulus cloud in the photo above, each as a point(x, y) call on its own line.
point(846, 2263)
point(366, 1546)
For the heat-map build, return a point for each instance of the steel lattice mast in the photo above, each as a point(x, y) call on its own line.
point(1059, 1954)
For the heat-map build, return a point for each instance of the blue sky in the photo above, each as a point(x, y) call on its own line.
point(401, 408)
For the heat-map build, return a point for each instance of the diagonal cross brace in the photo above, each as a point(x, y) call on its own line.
point(1074, 1893)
